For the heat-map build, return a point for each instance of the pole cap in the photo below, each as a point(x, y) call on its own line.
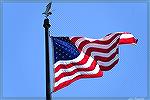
point(46, 23)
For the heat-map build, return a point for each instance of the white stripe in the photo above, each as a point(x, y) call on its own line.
point(73, 37)
point(126, 36)
point(122, 32)
point(104, 54)
point(86, 65)
point(65, 62)
point(67, 78)
point(108, 63)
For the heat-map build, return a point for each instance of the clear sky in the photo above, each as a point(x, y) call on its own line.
point(23, 47)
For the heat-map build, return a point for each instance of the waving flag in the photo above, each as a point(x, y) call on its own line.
point(80, 57)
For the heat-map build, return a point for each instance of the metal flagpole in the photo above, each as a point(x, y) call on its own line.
point(46, 25)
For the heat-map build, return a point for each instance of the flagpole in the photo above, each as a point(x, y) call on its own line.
point(46, 25)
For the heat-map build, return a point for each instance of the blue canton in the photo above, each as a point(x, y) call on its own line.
point(64, 49)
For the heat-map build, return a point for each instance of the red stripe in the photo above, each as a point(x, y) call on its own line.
point(106, 59)
point(74, 39)
point(118, 33)
point(105, 68)
point(66, 83)
point(64, 74)
point(127, 40)
point(81, 62)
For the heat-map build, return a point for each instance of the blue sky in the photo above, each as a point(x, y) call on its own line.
point(23, 47)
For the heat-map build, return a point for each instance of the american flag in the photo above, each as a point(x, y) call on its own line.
point(81, 57)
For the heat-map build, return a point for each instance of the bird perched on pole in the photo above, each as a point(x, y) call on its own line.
point(47, 11)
